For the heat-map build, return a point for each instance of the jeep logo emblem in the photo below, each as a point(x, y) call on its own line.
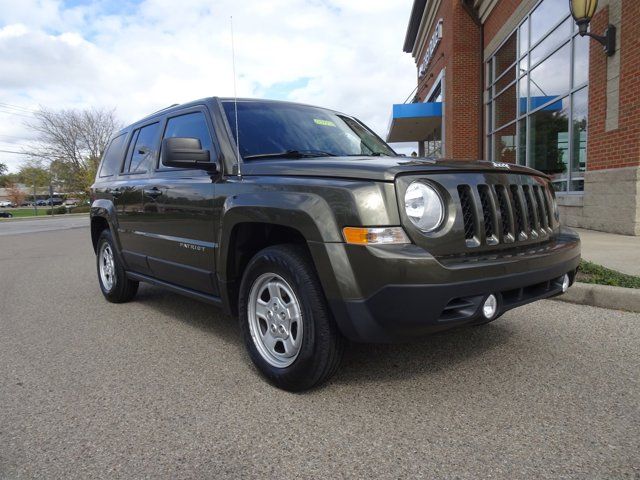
point(500, 165)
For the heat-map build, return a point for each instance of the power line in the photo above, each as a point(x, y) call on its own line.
point(17, 153)
point(9, 112)
point(17, 107)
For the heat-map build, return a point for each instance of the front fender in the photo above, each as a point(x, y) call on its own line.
point(305, 212)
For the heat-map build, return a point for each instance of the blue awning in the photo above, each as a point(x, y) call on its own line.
point(415, 122)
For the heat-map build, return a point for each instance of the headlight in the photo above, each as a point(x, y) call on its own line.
point(424, 206)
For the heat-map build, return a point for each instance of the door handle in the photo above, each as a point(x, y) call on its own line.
point(152, 192)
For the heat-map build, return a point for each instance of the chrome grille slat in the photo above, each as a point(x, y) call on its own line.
point(500, 213)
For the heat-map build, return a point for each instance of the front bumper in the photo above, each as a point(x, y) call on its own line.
point(398, 293)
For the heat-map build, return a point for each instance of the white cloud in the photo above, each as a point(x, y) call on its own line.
point(144, 55)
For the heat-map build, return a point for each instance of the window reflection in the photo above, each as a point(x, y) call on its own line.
point(545, 16)
point(505, 144)
point(551, 41)
point(551, 78)
point(506, 56)
point(580, 60)
point(537, 109)
point(549, 139)
point(579, 112)
point(505, 107)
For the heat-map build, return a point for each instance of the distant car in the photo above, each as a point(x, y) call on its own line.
point(72, 202)
point(42, 203)
point(6, 203)
point(6, 215)
point(26, 204)
point(55, 201)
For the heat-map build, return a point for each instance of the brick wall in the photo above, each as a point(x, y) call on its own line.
point(498, 17)
point(619, 147)
point(458, 52)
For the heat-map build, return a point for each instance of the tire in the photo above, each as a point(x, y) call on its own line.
point(114, 284)
point(306, 347)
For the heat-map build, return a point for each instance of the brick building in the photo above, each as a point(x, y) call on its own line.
point(513, 81)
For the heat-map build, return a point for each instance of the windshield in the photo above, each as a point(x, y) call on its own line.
point(274, 129)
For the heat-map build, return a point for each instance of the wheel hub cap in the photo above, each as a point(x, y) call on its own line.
point(107, 267)
point(275, 320)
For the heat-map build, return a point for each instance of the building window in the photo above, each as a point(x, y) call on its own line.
point(433, 142)
point(538, 98)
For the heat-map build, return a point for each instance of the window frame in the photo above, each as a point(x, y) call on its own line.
point(215, 148)
point(524, 115)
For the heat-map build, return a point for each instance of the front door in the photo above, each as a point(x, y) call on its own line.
point(178, 205)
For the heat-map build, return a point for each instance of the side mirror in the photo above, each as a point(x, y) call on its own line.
point(184, 152)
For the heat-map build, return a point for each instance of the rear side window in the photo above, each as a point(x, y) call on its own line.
point(191, 125)
point(113, 156)
point(144, 150)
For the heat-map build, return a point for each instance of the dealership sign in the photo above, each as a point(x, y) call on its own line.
point(431, 48)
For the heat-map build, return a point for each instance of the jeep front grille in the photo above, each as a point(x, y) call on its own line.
point(505, 213)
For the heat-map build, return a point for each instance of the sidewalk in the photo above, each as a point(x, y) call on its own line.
point(617, 252)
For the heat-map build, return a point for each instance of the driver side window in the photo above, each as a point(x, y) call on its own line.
point(191, 125)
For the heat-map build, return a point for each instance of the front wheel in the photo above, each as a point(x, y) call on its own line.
point(287, 327)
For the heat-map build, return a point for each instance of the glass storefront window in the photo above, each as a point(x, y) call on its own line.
point(579, 110)
point(506, 56)
point(550, 42)
point(504, 144)
point(580, 61)
point(545, 16)
point(524, 37)
point(551, 78)
point(549, 139)
point(505, 107)
point(537, 109)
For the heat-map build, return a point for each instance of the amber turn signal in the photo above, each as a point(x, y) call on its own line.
point(374, 236)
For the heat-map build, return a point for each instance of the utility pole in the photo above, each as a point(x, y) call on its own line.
point(35, 201)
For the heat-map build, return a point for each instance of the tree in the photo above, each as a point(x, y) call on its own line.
point(3, 169)
point(72, 142)
point(15, 194)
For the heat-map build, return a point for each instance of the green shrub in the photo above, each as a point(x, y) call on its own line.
point(61, 210)
point(590, 272)
point(82, 209)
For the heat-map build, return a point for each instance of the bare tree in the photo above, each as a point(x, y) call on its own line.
point(15, 194)
point(72, 142)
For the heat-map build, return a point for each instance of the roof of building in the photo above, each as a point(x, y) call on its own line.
point(414, 24)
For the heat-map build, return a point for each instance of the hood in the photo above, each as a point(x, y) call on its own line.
point(384, 169)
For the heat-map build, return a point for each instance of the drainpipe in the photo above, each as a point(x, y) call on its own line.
point(468, 7)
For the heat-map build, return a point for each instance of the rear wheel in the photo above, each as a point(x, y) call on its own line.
point(115, 285)
point(287, 327)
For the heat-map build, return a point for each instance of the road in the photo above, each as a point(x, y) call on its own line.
point(161, 388)
point(47, 224)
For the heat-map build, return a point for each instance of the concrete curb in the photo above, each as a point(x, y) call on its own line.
point(604, 296)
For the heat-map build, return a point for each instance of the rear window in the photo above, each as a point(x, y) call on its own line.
point(113, 156)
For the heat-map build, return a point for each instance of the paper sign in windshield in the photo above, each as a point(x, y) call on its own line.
point(326, 123)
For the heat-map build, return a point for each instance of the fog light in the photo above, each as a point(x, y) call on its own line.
point(490, 306)
point(565, 283)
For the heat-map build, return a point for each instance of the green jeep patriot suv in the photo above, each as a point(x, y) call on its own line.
point(306, 225)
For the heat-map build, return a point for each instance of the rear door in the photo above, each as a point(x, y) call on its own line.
point(178, 206)
point(138, 165)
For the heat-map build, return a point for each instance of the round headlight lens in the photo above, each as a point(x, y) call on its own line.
point(424, 206)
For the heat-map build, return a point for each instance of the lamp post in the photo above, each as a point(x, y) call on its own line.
point(582, 11)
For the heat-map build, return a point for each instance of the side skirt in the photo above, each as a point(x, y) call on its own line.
point(174, 288)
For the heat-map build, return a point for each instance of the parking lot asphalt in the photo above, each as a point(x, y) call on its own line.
point(162, 388)
point(47, 224)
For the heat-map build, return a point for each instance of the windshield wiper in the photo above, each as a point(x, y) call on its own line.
point(372, 154)
point(291, 154)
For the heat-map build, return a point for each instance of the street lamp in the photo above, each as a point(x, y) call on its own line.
point(582, 12)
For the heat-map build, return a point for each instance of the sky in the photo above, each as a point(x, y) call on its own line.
point(138, 56)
